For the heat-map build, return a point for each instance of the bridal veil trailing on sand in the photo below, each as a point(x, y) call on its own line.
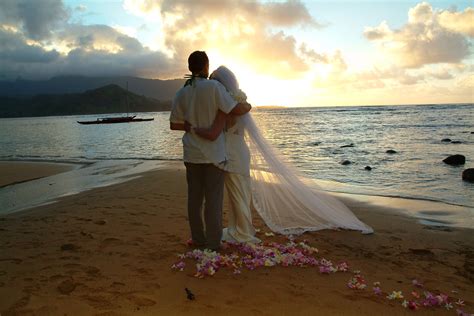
point(280, 195)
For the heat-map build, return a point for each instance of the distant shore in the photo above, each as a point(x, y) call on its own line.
point(109, 251)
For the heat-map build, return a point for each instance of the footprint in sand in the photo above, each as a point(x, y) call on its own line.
point(139, 239)
point(92, 271)
point(117, 284)
point(139, 224)
point(99, 302)
point(89, 235)
point(72, 265)
point(74, 258)
point(57, 277)
point(13, 260)
point(140, 300)
point(109, 313)
point(69, 247)
point(111, 242)
point(66, 287)
point(20, 303)
point(82, 219)
point(170, 237)
point(143, 271)
point(45, 310)
point(421, 252)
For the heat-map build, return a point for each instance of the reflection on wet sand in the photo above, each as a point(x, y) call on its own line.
point(45, 190)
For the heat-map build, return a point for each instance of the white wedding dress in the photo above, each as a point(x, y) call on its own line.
point(280, 195)
point(237, 183)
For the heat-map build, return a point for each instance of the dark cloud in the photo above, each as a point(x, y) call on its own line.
point(14, 49)
point(36, 18)
point(99, 37)
point(92, 50)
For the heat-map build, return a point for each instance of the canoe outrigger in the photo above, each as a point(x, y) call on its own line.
point(119, 119)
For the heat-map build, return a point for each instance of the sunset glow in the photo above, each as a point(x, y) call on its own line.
point(291, 53)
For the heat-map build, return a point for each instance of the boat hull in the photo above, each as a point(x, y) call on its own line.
point(115, 121)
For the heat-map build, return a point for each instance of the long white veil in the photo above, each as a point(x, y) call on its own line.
point(280, 195)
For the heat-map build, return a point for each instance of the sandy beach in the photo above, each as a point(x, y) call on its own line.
point(109, 251)
point(16, 172)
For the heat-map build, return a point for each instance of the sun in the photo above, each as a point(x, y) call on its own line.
point(261, 89)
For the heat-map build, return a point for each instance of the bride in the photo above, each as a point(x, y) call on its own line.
point(257, 175)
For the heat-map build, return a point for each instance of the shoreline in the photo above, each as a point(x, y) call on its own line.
point(73, 180)
point(109, 251)
point(432, 212)
point(15, 172)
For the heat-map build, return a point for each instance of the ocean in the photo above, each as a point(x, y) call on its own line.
point(312, 139)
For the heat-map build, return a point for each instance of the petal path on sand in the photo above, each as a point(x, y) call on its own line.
point(237, 256)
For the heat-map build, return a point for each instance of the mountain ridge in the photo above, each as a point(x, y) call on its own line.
point(163, 90)
point(103, 100)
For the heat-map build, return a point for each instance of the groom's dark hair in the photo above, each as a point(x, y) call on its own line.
point(197, 61)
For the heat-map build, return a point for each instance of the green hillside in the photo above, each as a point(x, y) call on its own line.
point(107, 99)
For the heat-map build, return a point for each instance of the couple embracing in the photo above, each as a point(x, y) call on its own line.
point(222, 145)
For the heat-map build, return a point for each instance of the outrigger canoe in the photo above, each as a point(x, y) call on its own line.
point(113, 120)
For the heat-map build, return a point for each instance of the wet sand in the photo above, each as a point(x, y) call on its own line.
point(108, 251)
point(16, 172)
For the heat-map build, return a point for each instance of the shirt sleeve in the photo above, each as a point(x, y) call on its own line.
point(224, 100)
point(177, 111)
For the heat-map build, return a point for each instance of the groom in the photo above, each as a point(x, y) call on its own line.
point(198, 103)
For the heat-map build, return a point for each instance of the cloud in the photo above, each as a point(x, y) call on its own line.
point(377, 33)
point(15, 49)
point(80, 49)
point(97, 63)
point(286, 14)
point(37, 18)
point(467, 82)
point(459, 22)
point(81, 8)
point(442, 75)
point(243, 31)
point(334, 66)
point(429, 37)
point(247, 32)
point(96, 37)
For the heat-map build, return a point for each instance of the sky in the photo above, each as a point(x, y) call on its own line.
point(290, 53)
